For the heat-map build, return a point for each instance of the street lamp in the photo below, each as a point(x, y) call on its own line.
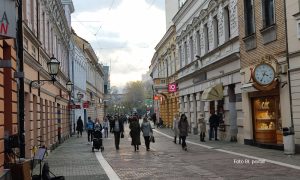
point(69, 86)
point(53, 68)
point(79, 96)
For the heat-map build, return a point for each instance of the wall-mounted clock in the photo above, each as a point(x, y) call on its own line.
point(264, 74)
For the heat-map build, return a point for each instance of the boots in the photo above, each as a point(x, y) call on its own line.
point(202, 136)
point(175, 139)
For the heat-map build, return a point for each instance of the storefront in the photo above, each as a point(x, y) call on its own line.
point(265, 103)
point(266, 117)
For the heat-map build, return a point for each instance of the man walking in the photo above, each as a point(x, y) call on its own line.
point(213, 125)
point(118, 129)
point(90, 128)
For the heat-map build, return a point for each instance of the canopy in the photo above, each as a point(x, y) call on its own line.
point(212, 93)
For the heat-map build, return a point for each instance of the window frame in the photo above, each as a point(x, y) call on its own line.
point(264, 25)
point(246, 19)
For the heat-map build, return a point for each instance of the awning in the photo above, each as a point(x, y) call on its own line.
point(213, 93)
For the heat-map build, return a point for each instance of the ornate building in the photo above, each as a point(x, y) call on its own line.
point(208, 76)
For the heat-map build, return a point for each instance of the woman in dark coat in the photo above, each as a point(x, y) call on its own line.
point(135, 131)
point(79, 126)
point(183, 126)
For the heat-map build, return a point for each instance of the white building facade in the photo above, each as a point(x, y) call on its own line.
point(208, 78)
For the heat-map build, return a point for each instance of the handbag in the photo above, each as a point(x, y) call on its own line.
point(152, 139)
point(122, 135)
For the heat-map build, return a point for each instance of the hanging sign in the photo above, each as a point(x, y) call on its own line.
point(8, 19)
point(172, 87)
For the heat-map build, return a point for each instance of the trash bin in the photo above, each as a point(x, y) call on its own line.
point(288, 140)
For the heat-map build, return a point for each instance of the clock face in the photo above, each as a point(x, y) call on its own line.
point(264, 74)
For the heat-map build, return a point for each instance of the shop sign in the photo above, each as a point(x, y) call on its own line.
point(8, 19)
point(156, 98)
point(85, 104)
point(172, 87)
point(74, 106)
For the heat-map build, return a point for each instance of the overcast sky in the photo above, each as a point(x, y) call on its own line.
point(123, 33)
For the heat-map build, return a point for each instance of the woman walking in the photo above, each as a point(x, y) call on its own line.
point(105, 126)
point(135, 132)
point(202, 127)
point(79, 126)
point(175, 128)
point(183, 126)
point(147, 132)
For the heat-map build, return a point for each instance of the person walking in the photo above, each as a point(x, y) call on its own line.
point(79, 126)
point(183, 126)
point(117, 129)
point(202, 127)
point(135, 130)
point(90, 128)
point(213, 125)
point(105, 126)
point(147, 132)
point(175, 128)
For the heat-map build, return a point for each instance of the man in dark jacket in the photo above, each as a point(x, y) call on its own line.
point(213, 125)
point(118, 129)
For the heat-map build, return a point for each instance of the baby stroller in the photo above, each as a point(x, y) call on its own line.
point(97, 140)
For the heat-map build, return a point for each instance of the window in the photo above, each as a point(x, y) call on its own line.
point(180, 56)
point(198, 43)
point(205, 30)
point(268, 13)
point(185, 53)
point(216, 32)
point(227, 23)
point(192, 48)
point(298, 29)
point(249, 17)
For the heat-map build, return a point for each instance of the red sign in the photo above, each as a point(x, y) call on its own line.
point(156, 98)
point(85, 104)
point(172, 87)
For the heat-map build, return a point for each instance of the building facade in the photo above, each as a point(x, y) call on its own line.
point(293, 39)
point(265, 87)
point(164, 73)
point(208, 77)
point(78, 64)
point(46, 34)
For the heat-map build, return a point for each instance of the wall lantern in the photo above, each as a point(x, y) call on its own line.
point(79, 96)
point(53, 68)
point(69, 86)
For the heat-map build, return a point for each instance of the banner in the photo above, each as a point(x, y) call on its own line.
point(8, 21)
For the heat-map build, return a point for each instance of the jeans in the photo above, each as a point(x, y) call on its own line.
point(106, 132)
point(117, 139)
point(90, 135)
point(211, 130)
point(147, 142)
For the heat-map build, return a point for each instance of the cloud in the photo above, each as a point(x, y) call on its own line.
point(123, 37)
point(93, 5)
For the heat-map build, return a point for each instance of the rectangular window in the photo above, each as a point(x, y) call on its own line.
point(227, 23)
point(205, 30)
point(192, 48)
point(249, 17)
point(180, 56)
point(198, 43)
point(216, 32)
point(268, 12)
point(185, 53)
point(298, 29)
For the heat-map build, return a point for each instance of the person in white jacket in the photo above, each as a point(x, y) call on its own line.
point(175, 128)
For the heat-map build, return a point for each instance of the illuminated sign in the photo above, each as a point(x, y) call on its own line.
point(156, 98)
point(172, 87)
point(8, 19)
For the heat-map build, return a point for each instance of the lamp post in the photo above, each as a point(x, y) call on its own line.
point(69, 86)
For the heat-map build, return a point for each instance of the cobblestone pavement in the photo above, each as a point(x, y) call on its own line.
point(75, 160)
point(167, 160)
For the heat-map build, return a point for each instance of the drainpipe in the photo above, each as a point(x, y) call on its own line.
point(288, 132)
point(21, 80)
